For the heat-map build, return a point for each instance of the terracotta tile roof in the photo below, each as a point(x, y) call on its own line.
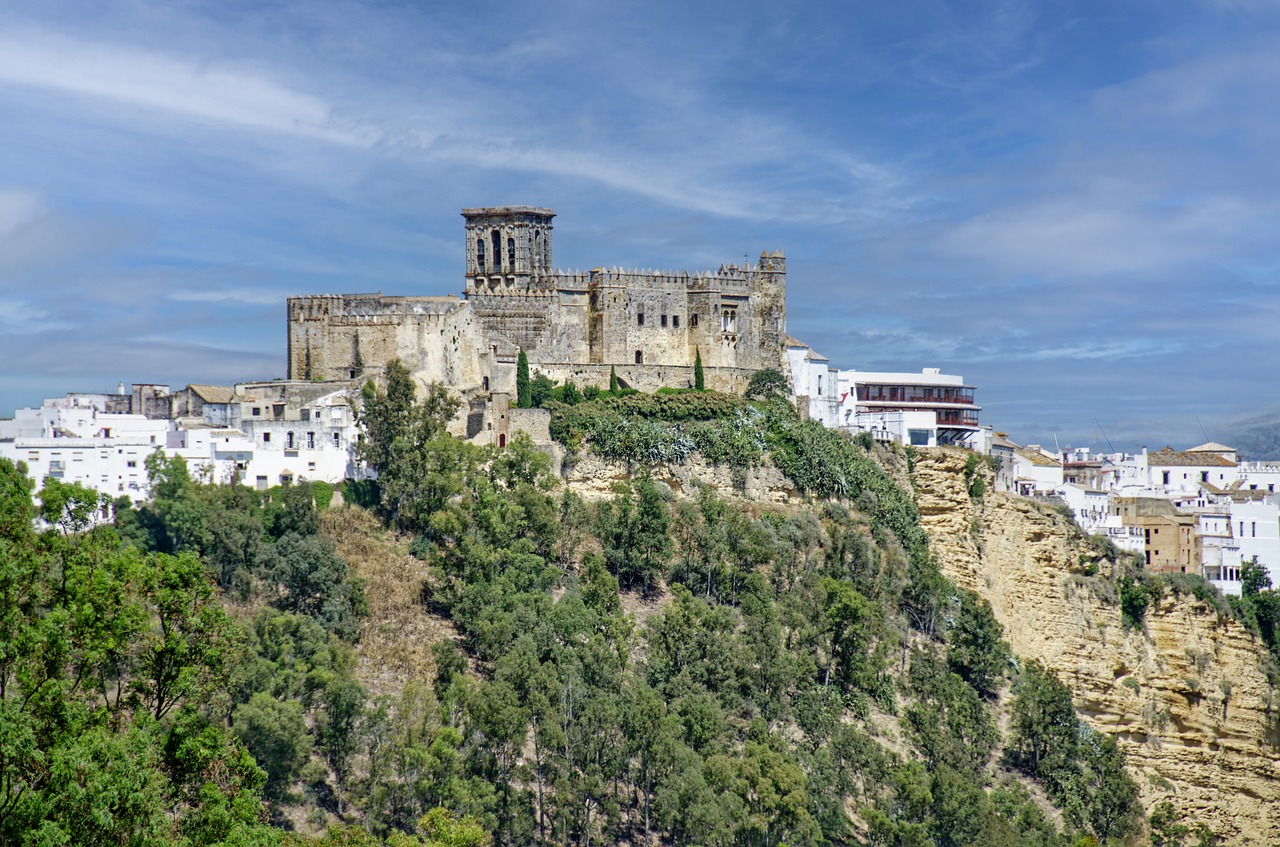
point(1167, 457)
point(1038, 459)
point(1212, 447)
point(213, 393)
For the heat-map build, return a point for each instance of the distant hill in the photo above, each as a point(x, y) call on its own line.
point(1256, 435)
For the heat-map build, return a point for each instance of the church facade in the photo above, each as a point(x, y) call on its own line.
point(648, 326)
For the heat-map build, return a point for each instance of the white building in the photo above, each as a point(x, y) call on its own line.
point(929, 408)
point(815, 383)
point(80, 444)
point(1256, 526)
point(1036, 471)
point(261, 434)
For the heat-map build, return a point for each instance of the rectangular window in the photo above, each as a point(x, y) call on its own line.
point(675, 321)
point(639, 318)
point(131, 464)
point(918, 437)
point(266, 438)
point(261, 483)
point(311, 440)
point(288, 441)
point(337, 439)
point(693, 319)
point(257, 413)
point(664, 320)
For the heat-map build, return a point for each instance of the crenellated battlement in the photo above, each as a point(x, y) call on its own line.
point(652, 321)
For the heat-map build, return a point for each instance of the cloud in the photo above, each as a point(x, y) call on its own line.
point(1116, 229)
point(200, 90)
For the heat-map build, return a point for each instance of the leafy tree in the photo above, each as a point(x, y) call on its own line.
point(1045, 728)
point(977, 650)
point(766, 384)
point(1135, 596)
point(541, 389)
point(313, 580)
point(275, 732)
point(569, 393)
point(699, 383)
point(524, 399)
point(635, 533)
point(111, 661)
point(69, 506)
point(401, 436)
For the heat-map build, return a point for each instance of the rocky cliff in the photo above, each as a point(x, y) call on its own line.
point(592, 477)
point(1187, 697)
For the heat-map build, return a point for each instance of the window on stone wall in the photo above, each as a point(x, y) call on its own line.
point(266, 438)
point(639, 318)
point(639, 358)
point(311, 440)
point(497, 250)
point(693, 319)
point(480, 254)
point(675, 321)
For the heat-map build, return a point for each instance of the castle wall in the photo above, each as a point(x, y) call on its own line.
point(571, 325)
point(334, 337)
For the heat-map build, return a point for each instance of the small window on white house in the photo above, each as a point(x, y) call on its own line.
point(266, 438)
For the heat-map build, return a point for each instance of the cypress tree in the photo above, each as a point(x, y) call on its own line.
point(613, 380)
point(524, 397)
point(698, 382)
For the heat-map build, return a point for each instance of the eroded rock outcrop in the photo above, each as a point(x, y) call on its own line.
point(593, 478)
point(1188, 699)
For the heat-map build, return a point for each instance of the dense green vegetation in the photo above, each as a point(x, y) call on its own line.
point(636, 670)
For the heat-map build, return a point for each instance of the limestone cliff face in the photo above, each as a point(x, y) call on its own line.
point(1187, 699)
point(592, 477)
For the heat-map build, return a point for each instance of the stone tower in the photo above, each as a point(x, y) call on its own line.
point(507, 247)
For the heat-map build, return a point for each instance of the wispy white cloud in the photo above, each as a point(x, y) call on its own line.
point(198, 89)
point(230, 296)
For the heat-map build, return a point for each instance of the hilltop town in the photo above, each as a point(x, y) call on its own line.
point(1201, 510)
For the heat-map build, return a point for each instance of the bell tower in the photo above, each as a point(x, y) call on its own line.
point(507, 247)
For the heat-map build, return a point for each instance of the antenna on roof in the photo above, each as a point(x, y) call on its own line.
point(1104, 434)
point(1202, 432)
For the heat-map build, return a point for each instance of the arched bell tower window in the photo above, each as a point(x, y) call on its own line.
point(497, 250)
point(480, 254)
point(511, 254)
point(537, 249)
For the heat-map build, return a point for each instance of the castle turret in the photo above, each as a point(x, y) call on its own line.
point(507, 247)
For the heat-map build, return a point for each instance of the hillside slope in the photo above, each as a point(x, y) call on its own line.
point(1188, 698)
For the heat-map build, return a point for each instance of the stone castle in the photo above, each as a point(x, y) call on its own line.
point(648, 326)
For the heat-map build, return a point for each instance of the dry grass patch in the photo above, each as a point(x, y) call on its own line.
point(396, 639)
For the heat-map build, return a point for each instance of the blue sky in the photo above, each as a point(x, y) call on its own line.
point(1074, 205)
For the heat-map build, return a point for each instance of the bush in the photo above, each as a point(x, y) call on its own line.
point(1135, 596)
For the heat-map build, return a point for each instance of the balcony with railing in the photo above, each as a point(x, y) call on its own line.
point(916, 394)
